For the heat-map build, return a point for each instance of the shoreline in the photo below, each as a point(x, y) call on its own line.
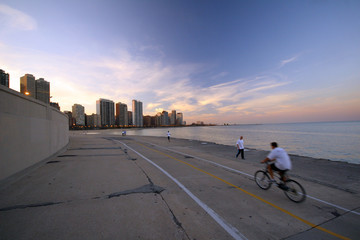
point(335, 174)
point(101, 131)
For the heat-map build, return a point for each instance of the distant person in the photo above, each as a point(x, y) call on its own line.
point(240, 147)
point(168, 135)
point(281, 161)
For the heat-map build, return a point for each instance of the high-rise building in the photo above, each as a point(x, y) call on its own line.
point(105, 108)
point(158, 120)
point(147, 121)
point(179, 119)
point(71, 119)
point(93, 120)
point(27, 85)
point(165, 118)
point(42, 89)
point(4, 78)
point(121, 114)
point(173, 117)
point(137, 112)
point(130, 118)
point(78, 112)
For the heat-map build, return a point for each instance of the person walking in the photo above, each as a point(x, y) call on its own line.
point(168, 135)
point(240, 147)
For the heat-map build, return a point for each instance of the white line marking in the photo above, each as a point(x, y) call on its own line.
point(237, 171)
point(226, 226)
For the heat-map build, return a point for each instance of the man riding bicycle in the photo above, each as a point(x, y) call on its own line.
point(281, 159)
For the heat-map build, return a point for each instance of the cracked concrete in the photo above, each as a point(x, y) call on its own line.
point(87, 196)
point(70, 198)
point(149, 188)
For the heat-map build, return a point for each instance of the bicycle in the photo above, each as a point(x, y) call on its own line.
point(292, 189)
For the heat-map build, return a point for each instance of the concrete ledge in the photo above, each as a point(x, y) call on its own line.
point(30, 131)
point(19, 175)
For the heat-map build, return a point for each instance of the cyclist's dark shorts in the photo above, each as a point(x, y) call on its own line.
point(273, 167)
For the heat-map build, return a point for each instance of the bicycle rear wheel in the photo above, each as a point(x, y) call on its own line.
point(262, 179)
point(295, 192)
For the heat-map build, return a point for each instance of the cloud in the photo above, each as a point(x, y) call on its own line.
point(15, 19)
point(286, 61)
point(161, 86)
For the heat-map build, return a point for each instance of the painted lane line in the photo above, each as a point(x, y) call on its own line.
point(254, 196)
point(226, 226)
point(246, 174)
point(205, 160)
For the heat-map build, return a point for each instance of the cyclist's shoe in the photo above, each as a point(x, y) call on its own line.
point(271, 181)
point(283, 186)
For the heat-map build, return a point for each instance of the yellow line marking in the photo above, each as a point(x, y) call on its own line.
point(253, 195)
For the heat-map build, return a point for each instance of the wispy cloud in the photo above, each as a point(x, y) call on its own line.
point(287, 61)
point(15, 19)
point(158, 85)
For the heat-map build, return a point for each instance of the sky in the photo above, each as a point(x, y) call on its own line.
point(218, 62)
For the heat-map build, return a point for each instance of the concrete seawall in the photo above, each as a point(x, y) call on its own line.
point(31, 131)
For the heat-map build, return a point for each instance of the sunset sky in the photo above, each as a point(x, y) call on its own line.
point(215, 61)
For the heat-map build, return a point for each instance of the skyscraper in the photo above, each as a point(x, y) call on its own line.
point(27, 85)
point(130, 118)
point(121, 114)
point(173, 117)
point(42, 90)
point(137, 111)
point(179, 119)
point(164, 118)
point(93, 120)
point(79, 114)
point(105, 108)
point(4, 78)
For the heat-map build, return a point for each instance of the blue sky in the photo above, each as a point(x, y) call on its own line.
point(215, 61)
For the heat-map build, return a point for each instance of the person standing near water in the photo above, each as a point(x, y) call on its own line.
point(168, 135)
point(240, 147)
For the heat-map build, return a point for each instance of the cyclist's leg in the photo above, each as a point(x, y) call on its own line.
point(282, 175)
point(270, 169)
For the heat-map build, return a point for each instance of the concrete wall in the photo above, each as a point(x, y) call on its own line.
point(30, 132)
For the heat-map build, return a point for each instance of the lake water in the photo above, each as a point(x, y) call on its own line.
point(338, 141)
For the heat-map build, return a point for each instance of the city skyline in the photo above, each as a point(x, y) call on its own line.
point(234, 62)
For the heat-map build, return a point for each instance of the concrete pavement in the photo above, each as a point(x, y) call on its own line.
point(126, 187)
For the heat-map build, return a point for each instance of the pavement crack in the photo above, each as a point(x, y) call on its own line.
point(29, 206)
point(174, 218)
point(149, 188)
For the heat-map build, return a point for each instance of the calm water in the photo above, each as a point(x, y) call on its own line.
point(339, 141)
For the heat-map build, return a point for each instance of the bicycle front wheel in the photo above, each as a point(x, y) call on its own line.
point(294, 191)
point(262, 179)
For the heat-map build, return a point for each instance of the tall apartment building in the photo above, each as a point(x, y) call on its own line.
point(78, 112)
point(105, 108)
point(130, 121)
point(42, 89)
point(39, 89)
point(121, 117)
point(172, 116)
point(179, 119)
point(158, 119)
point(165, 118)
point(71, 119)
point(137, 112)
point(27, 85)
point(147, 121)
point(4, 78)
point(93, 120)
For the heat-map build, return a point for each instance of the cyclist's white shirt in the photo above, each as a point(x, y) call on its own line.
point(282, 159)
